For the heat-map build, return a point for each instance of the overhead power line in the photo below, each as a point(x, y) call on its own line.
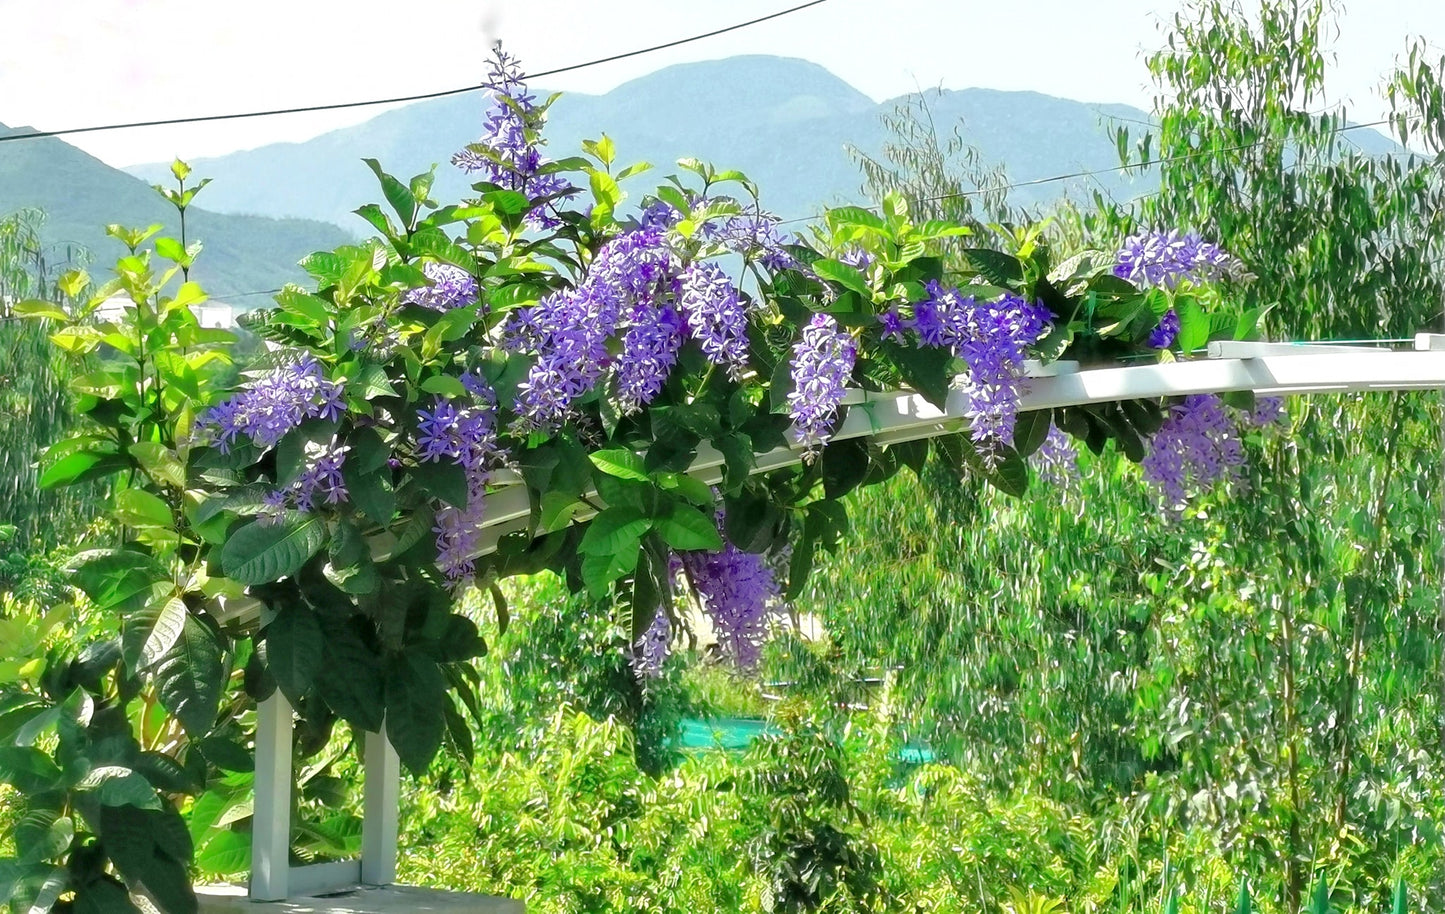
point(399, 99)
point(1052, 179)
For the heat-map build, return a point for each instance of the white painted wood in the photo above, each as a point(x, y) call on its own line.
point(271, 815)
point(318, 878)
point(380, 809)
point(1253, 349)
point(891, 417)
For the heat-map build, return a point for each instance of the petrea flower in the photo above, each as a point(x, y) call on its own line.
point(856, 257)
point(569, 332)
point(1057, 460)
point(756, 235)
point(452, 287)
point(1197, 447)
point(467, 436)
point(893, 325)
point(659, 214)
point(821, 365)
point(508, 153)
point(1166, 258)
point(737, 591)
point(993, 339)
point(275, 403)
point(1164, 334)
point(649, 353)
point(715, 315)
point(652, 648)
point(321, 482)
point(1268, 411)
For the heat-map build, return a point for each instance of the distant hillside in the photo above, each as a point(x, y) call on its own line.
point(81, 194)
point(785, 122)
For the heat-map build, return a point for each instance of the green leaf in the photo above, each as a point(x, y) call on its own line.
point(79, 467)
point(191, 675)
point(1193, 326)
point(845, 466)
point(350, 680)
point(40, 309)
point(27, 769)
point(139, 508)
point(117, 785)
point(1031, 430)
point(227, 853)
point(294, 650)
point(148, 635)
point(415, 690)
point(120, 580)
point(397, 194)
point(103, 896)
point(687, 528)
point(844, 275)
point(621, 463)
point(613, 531)
point(42, 834)
point(262, 552)
point(995, 266)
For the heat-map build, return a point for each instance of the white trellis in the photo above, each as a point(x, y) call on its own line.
point(1270, 369)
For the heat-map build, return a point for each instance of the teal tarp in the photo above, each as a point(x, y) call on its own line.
point(737, 733)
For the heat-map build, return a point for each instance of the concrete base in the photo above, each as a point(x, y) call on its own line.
point(365, 899)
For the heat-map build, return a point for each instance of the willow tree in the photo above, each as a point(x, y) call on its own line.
point(34, 396)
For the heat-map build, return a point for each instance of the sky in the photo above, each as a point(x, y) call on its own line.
point(69, 63)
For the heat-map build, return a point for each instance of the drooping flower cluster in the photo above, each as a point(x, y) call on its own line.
point(1057, 460)
point(1268, 411)
point(649, 353)
point(275, 403)
point(320, 482)
point(737, 592)
point(993, 338)
point(715, 315)
point(508, 153)
point(755, 235)
point(466, 436)
point(1166, 331)
point(568, 331)
point(1198, 447)
point(856, 257)
point(821, 365)
point(452, 287)
point(1165, 258)
point(651, 650)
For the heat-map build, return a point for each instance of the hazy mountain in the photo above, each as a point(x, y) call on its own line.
point(81, 194)
point(784, 122)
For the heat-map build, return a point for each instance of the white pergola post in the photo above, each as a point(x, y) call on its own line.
point(271, 812)
point(380, 808)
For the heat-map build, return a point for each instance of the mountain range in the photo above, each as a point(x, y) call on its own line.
point(790, 125)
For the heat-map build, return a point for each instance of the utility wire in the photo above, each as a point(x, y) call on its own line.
point(70, 131)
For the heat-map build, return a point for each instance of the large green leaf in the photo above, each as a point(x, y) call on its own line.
point(350, 680)
point(191, 675)
point(117, 785)
point(120, 580)
point(27, 769)
point(614, 530)
point(262, 552)
point(147, 636)
point(620, 462)
point(294, 650)
point(415, 691)
point(688, 528)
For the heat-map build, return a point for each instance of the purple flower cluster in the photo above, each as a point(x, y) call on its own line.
point(510, 156)
point(467, 436)
point(1268, 411)
point(737, 591)
point(755, 235)
point(1166, 331)
point(1198, 447)
point(1057, 460)
point(1166, 258)
point(452, 287)
point(715, 315)
point(659, 214)
point(993, 338)
point(651, 650)
point(275, 403)
point(649, 353)
point(857, 258)
point(821, 366)
point(321, 482)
